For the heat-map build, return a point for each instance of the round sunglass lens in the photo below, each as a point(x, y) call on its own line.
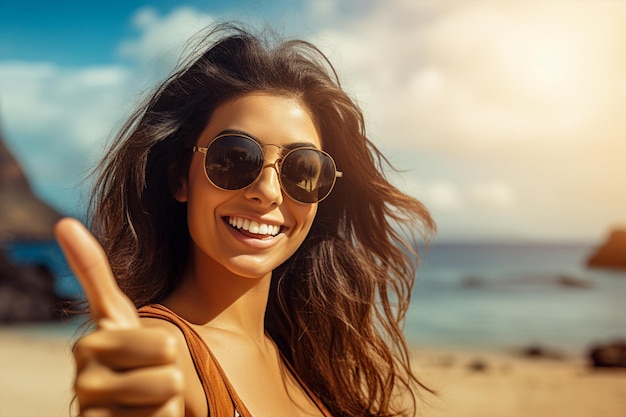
point(233, 162)
point(307, 175)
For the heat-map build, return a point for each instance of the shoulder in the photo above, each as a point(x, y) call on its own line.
point(167, 327)
point(160, 323)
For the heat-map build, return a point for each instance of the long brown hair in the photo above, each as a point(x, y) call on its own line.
point(337, 306)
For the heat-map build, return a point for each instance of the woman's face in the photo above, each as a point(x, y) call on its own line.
point(252, 253)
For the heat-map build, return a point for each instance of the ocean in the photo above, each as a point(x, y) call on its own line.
point(512, 296)
point(478, 296)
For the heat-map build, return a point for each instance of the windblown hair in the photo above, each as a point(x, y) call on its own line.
point(337, 306)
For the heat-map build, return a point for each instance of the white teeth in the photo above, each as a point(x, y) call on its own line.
point(254, 226)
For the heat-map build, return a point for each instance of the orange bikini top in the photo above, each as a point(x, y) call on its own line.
point(222, 400)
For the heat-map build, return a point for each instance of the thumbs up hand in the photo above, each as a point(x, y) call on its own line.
point(122, 368)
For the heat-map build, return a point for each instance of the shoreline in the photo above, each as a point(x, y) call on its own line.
point(476, 383)
point(37, 370)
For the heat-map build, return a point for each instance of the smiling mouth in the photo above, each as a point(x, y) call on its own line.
point(253, 228)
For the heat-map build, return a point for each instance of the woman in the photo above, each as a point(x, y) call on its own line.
point(262, 290)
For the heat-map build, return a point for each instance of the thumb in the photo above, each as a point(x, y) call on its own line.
point(110, 307)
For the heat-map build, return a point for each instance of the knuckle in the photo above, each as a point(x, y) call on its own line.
point(163, 345)
point(170, 348)
point(90, 348)
point(176, 381)
point(93, 384)
point(173, 408)
point(168, 382)
point(83, 345)
point(96, 412)
point(94, 342)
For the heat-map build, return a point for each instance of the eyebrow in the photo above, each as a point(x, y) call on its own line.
point(289, 146)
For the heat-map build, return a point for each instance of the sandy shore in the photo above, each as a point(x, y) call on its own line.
point(36, 375)
point(480, 384)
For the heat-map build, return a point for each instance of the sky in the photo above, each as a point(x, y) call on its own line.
point(506, 118)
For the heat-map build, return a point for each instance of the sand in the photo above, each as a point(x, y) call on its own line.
point(488, 384)
point(36, 376)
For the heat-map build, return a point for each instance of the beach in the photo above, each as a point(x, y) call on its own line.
point(36, 375)
point(502, 384)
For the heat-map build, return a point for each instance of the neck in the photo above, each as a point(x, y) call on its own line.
point(211, 296)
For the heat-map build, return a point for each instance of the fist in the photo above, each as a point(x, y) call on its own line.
point(122, 368)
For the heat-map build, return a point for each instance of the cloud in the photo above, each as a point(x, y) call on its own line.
point(57, 120)
point(449, 196)
point(465, 207)
point(473, 75)
point(441, 196)
point(496, 194)
point(78, 104)
point(54, 117)
point(511, 111)
point(162, 39)
point(530, 93)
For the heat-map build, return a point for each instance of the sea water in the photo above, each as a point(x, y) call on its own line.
point(483, 296)
point(48, 254)
point(499, 296)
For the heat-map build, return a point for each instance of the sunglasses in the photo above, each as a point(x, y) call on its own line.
point(234, 161)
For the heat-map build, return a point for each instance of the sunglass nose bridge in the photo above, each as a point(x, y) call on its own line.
point(277, 161)
point(274, 165)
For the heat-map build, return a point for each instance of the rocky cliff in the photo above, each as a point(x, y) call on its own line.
point(612, 253)
point(27, 290)
point(23, 216)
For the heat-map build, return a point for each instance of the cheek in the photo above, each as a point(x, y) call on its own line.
point(199, 190)
point(202, 200)
point(306, 214)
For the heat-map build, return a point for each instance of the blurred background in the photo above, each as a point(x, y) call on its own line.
point(506, 118)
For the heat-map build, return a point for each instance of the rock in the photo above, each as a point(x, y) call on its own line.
point(572, 282)
point(27, 293)
point(473, 282)
point(478, 365)
point(608, 355)
point(561, 280)
point(540, 352)
point(23, 216)
point(612, 254)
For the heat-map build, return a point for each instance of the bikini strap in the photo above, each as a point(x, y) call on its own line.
point(221, 398)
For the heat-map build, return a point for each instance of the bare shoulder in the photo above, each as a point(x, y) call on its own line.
point(157, 323)
point(195, 399)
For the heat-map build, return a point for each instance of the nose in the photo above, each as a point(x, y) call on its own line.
point(266, 188)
